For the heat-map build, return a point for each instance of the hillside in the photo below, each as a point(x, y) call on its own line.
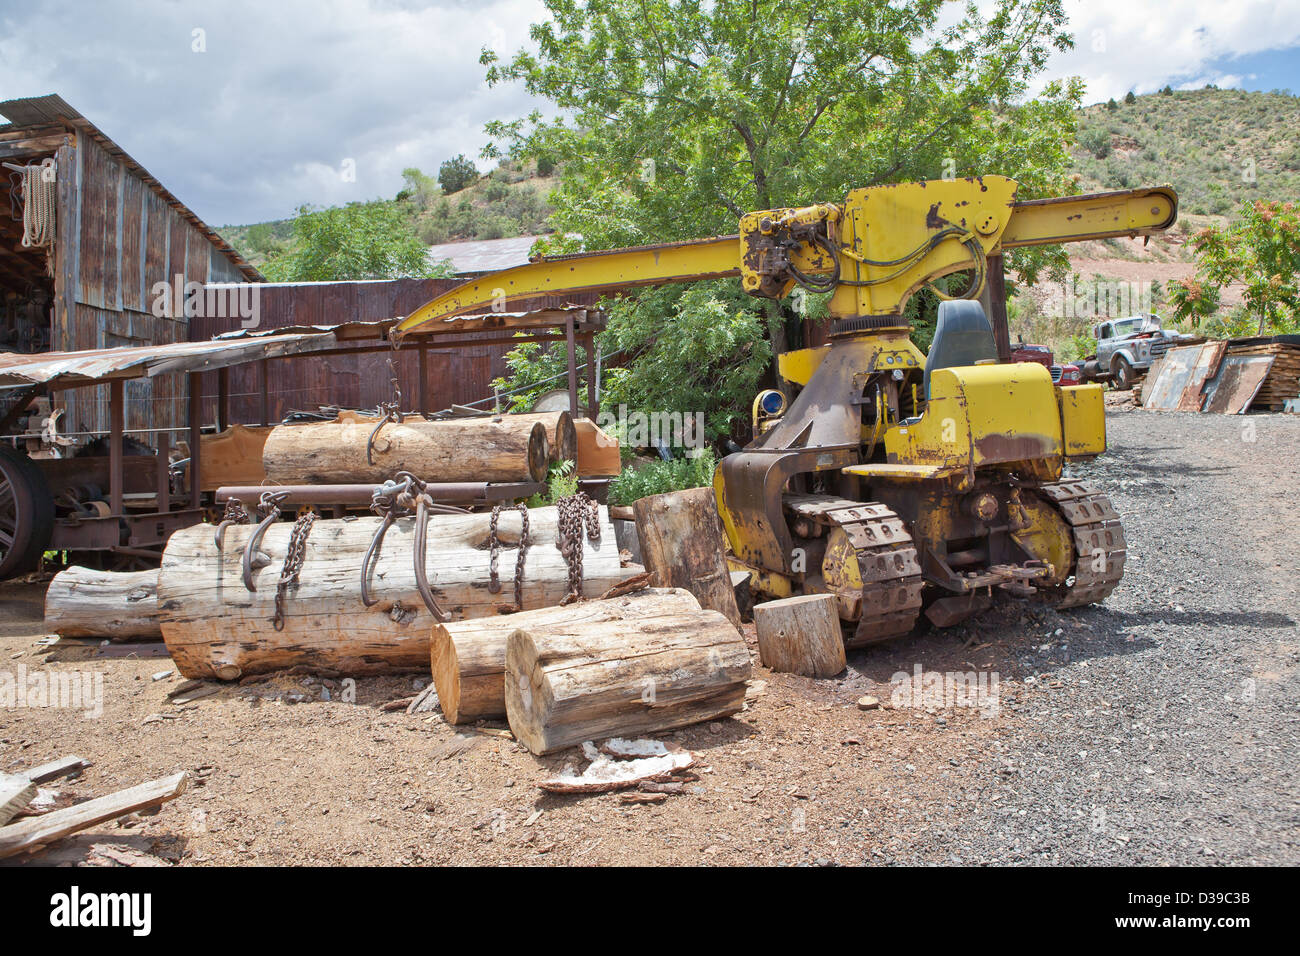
point(508, 201)
point(1217, 147)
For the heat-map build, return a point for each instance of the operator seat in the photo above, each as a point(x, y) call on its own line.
point(962, 336)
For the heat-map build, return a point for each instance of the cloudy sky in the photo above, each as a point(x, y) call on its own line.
point(273, 104)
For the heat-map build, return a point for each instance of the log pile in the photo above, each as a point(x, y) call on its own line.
point(468, 658)
point(561, 435)
point(117, 605)
point(501, 449)
point(215, 627)
point(623, 678)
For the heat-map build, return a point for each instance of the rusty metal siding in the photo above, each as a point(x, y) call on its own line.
point(456, 376)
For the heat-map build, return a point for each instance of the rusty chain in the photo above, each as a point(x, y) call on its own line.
point(574, 513)
point(294, 553)
point(494, 554)
point(396, 498)
point(389, 411)
point(235, 513)
point(268, 508)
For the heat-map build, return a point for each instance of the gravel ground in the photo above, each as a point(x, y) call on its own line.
point(1158, 728)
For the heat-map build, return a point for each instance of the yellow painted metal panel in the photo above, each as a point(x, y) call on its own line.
point(798, 366)
point(1135, 212)
point(1083, 419)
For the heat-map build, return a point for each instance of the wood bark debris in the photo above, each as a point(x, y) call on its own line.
point(605, 773)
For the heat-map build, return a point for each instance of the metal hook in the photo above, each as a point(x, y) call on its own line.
point(421, 579)
point(270, 500)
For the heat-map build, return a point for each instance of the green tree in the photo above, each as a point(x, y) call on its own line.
point(457, 173)
point(676, 118)
point(419, 187)
point(1112, 105)
point(1130, 98)
point(1261, 250)
point(373, 240)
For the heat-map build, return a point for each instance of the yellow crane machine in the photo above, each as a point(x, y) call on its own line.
point(894, 480)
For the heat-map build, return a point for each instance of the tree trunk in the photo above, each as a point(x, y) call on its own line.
point(81, 602)
point(681, 543)
point(215, 627)
point(561, 435)
point(801, 635)
point(471, 449)
point(469, 657)
point(623, 678)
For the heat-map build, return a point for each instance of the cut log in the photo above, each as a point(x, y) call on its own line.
point(801, 635)
point(623, 678)
point(681, 544)
point(37, 831)
point(561, 436)
point(598, 454)
point(215, 628)
point(117, 605)
point(470, 449)
point(468, 658)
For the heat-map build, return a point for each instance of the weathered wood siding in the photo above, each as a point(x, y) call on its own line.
point(117, 239)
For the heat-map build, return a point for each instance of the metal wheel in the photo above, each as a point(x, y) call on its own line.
point(26, 513)
point(1123, 373)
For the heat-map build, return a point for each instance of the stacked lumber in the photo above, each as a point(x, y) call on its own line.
point(25, 830)
point(502, 448)
point(216, 628)
point(1283, 379)
point(468, 658)
point(623, 678)
point(81, 602)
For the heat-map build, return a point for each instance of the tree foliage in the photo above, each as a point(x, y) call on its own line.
point(1261, 250)
point(675, 118)
point(358, 241)
point(457, 173)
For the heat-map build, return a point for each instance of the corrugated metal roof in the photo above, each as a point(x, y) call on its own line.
point(484, 255)
point(452, 325)
point(70, 369)
point(52, 109)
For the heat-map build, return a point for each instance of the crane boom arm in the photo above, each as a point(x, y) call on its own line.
point(873, 251)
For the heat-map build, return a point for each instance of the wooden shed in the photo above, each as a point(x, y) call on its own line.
point(86, 237)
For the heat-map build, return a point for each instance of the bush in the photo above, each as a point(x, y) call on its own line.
point(661, 477)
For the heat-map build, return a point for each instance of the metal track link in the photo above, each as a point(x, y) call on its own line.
point(890, 569)
point(1099, 546)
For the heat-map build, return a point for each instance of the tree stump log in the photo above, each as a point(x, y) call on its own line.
point(801, 635)
point(623, 678)
point(470, 449)
point(468, 658)
point(81, 602)
point(681, 544)
point(215, 627)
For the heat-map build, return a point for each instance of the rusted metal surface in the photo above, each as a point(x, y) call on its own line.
point(455, 375)
point(1238, 381)
point(1204, 368)
point(361, 494)
point(59, 370)
point(1175, 372)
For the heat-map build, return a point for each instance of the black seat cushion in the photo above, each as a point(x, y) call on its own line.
point(962, 336)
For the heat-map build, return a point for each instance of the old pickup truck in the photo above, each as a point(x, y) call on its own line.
point(1127, 346)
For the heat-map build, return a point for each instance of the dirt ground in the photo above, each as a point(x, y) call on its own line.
point(1158, 728)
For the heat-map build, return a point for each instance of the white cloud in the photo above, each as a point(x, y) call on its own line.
point(284, 93)
point(1123, 45)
